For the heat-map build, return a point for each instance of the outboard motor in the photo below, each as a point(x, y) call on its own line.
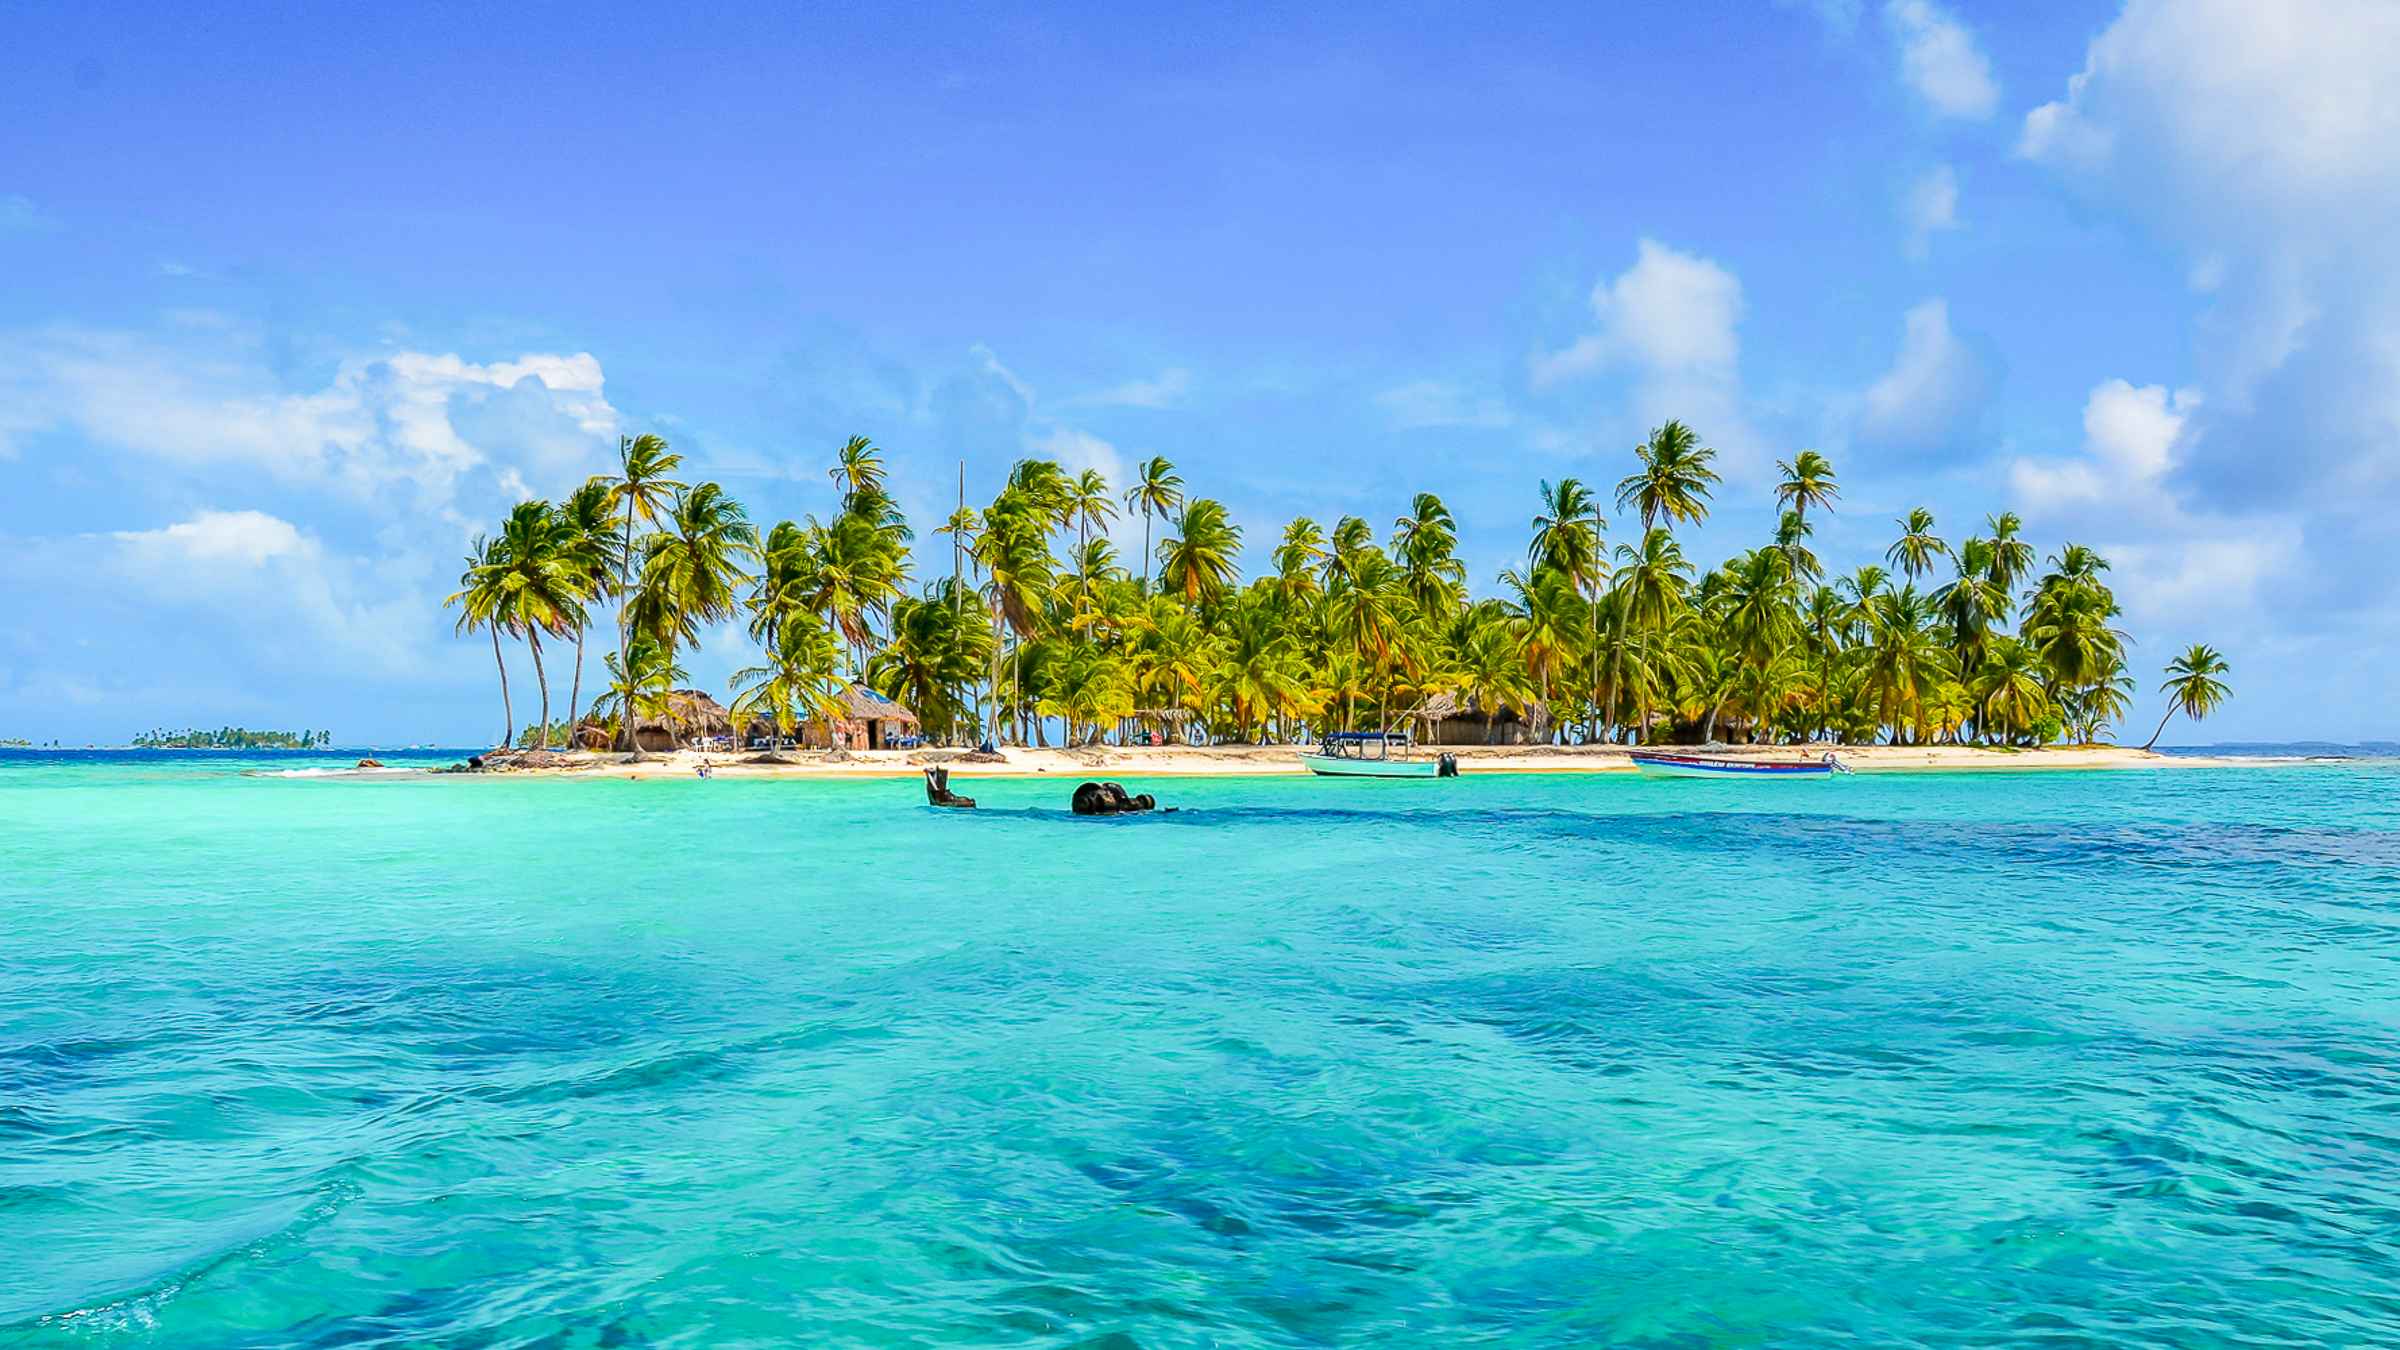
point(1446, 766)
point(938, 793)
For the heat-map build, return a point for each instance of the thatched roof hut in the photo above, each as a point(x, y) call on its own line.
point(1445, 719)
point(866, 721)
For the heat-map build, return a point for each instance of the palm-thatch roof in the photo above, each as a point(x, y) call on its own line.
point(1446, 704)
point(865, 705)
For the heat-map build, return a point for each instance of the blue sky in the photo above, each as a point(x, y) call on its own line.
point(295, 302)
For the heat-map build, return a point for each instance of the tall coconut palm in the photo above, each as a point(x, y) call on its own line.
point(1807, 480)
point(1296, 560)
point(2194, 686)
point(1649, 592)
point(1674, 479)
point(857, 470)
point(695, 566)
point(589, 514)
point(1202, 559)
point(482, 601)
point(1424, 542)
point(1157, 490)
point(544, 583)
point(2012, 557)
point(1913, 553)
point(642, 489)
point(1014, 552)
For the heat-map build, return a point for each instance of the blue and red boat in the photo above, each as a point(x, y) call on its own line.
point(1674, 764)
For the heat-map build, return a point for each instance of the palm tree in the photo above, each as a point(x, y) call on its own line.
point(2193, 686)
point(588, 513)
point(797, 681)
point(543, 582)
point(1913, 553)
point(482, 601)
point(1200, 562)
point(1156, 490)
point(857, 470)
point(1807, 481)
point(2012, 557)
point(1674, 478)
point(643, 487)
point(1649, 594)
point(650, 690)
point(693, 568)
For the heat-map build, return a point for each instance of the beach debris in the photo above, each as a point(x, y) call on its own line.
point(1110, 799)
point(938, 793)
point(370, 764)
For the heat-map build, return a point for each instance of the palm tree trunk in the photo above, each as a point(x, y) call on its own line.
point(1145, 548)
point(2162, 728)
point(575, 689)
point(508, 714)
point(533, 639)
point(625, 633)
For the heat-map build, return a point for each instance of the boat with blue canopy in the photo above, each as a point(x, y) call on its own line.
point(1371, 754)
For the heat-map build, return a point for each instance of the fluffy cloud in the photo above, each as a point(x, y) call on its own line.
point(2174, 563)
point(417, 421)
point(211, 538)
point(1940, 61)
point(1671, 314)
point(1671, 323)
point(1931, 207)
point(1935, 391)
point(2254, 140)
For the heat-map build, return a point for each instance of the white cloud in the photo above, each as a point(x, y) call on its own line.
point(2173, 564)
point(249, 538)
point(1672, 322)
point(413, 420)
point(1931, 206)
point(1166, 391)
point(269, 593)
point(1422, 404)
point(1939, 59)
point(2255, 141)
point(1934, 389)
point(1670, 313)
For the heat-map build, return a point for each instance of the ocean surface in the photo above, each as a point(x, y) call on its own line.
point(1922, 1060)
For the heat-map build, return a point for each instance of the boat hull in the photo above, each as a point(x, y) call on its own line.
point(1332, 766)
point(1694, 766)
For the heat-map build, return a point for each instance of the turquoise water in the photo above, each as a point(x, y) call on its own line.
point(1944, 1060)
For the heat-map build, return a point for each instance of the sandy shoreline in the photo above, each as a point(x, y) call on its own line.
point(1190, 761)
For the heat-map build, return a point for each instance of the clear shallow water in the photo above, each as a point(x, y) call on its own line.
point(1941, 1060)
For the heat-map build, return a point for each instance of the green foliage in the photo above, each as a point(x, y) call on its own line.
point(1040, 624)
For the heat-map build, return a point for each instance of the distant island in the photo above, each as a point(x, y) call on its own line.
point(232, 738)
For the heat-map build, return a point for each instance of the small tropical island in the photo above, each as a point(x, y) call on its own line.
point(231, 738)
point(1934, 653)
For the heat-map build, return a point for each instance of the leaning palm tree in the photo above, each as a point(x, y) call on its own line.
point(1156, 490)
point(482, 601)
point(2193, 687)
point(1674, 478)
point(643, 487)
point(1807, 481)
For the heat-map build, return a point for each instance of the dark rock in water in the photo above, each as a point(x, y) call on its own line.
point(1110, 799)
point(938, 793)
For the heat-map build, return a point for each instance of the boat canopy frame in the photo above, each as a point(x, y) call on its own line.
point(1355, 744)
